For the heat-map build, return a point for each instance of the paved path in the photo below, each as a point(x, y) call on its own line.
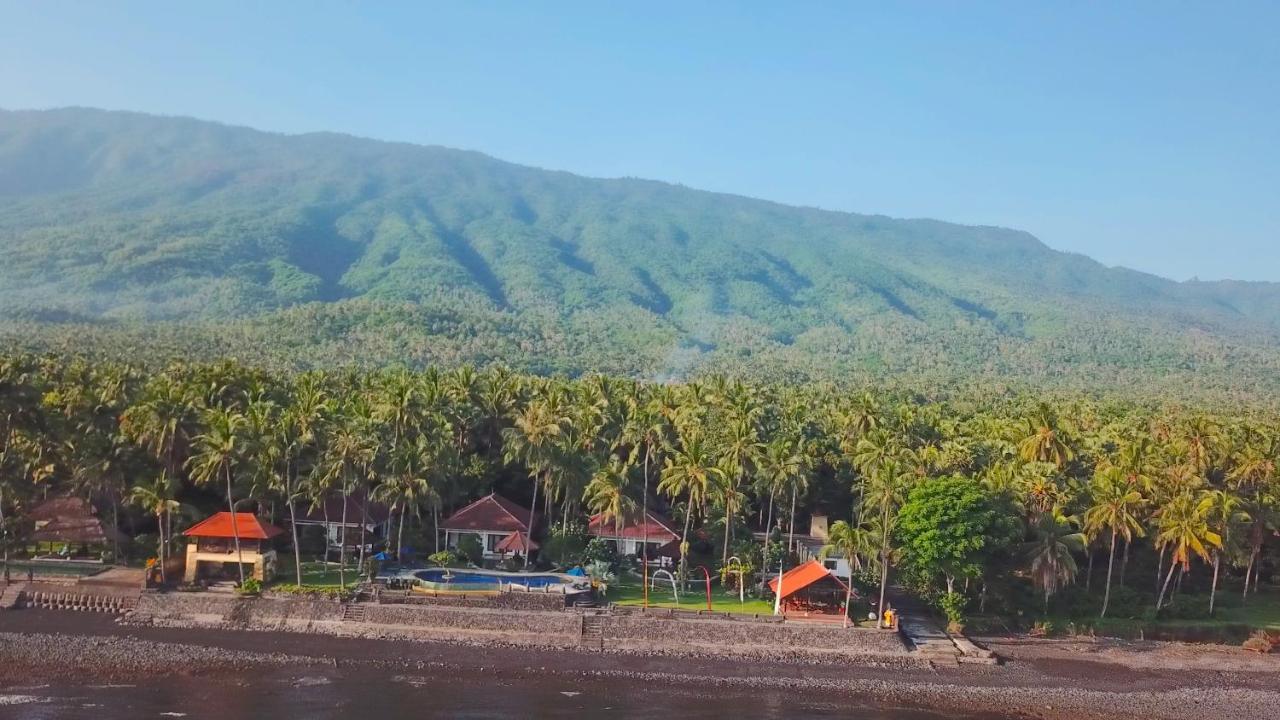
point(918, 626)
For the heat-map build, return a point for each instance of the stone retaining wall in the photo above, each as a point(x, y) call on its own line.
point(549, 629)
point(649, 633)
point(506, 601)
point(545, 629)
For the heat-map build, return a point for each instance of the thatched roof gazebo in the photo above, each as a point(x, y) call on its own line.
point(70, 520)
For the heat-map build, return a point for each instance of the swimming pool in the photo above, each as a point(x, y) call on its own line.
point(465, 577)
point(478, 581)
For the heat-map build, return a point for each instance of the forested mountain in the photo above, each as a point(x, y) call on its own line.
point(176, 236)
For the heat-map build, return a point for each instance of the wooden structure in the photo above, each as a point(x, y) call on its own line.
point(811, 588)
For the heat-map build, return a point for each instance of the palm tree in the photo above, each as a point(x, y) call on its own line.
point(645, 430)
point(740, 452)
point(216, 452)
point(883, 494)
point(606, 494)
point(1051, 553)
point(1044, 441)
point(1225, 515)
point(849, 541)
point(348, 454)
point(1184, 527)
point(691, 471)
point(1115, 509)
point(534, 441)
point(409, 485)
point(158, 498)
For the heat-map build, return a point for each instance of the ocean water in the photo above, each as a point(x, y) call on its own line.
point(365, 694)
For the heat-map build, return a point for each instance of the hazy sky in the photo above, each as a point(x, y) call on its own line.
point(1142, 134)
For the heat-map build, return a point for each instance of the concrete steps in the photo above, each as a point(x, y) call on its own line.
point(591, 633)
point(353, 612)
point(11, 596)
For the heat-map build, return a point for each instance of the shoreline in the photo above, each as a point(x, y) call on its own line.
point(1040, 680)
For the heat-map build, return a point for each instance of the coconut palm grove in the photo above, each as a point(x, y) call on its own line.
point(1004, 509)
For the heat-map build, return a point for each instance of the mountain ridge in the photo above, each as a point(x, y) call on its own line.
point(120, 217)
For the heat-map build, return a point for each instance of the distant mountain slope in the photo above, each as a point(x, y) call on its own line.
point(373, 249)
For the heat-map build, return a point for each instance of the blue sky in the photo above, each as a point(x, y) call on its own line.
point(1141, 134)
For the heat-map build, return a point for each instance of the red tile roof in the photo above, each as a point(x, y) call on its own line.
point(356, 506)
point(218, 525)
point(659, 528)
point(492, 513)
point(514, 543)
point(801, 577)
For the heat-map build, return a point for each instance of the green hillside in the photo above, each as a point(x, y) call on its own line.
point(122, 231)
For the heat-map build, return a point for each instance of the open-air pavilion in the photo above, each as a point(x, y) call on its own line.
point(811, 589)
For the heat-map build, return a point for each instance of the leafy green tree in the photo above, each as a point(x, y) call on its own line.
point(950, 526)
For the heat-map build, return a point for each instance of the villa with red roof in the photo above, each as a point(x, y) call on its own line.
point(630, 536)
point(501, 525)
point(213, 545)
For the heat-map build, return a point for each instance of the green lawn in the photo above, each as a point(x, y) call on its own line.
point(630, 591)
point(315, 574)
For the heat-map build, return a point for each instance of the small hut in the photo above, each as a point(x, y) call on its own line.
point(811, 588)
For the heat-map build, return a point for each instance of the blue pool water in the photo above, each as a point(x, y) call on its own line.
point(461, 577)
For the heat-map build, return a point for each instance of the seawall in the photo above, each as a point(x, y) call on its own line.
point(633, 632)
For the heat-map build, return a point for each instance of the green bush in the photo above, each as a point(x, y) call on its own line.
point(447, 558)
point(599, 550)
point(1186, 607)
point(953, 605)
point(250, 586)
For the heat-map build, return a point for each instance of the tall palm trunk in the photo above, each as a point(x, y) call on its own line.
point(4, 536)
point(1088, 578)
point(768, 530)
point(884, 561)
point(235, 527)
point(684, 539)
point(724, 552)
point(1165, 587)
point(848, 598)
point(1213, 588)
point(400, 534)
point(160, 529)
point(1111, 561)
point(528, 531)
point(644, 519)
point(435, 523)
point(115, 528)
point(1124, 564)
point(364, 524)
point(791, 529)
point(297, 552)
point(342, 544)
point(1159, 568)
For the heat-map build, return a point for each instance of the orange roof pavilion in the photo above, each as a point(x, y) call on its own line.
point(219, 525)
point(801, 577)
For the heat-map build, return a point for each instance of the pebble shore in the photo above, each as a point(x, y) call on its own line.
point(107, 652)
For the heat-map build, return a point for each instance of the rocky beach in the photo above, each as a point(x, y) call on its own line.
point(1038, 679)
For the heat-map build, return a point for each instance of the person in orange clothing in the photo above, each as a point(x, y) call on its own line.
point(890, 617)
